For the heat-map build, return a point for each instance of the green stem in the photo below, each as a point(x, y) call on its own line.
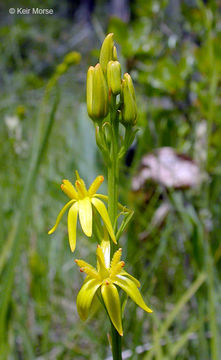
point(113, 174)
point(116, 344)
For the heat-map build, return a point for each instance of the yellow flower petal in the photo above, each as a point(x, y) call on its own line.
point(112, 302)
point(105, 217)
point(85, 297)
point(125, 273)
point(85, 216)
point(72, 225)
point(102, 197)
point(105, 246)
point(131, 289)
point(61, 213)
point(119, 205)
point(101, 266)
point(95, 185)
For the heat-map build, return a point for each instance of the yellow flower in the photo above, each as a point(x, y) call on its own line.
point(81, 202)
point(106, 277)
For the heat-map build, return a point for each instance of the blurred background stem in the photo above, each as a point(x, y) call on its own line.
point(209, 263)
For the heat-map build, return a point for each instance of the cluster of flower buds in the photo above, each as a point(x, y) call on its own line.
point(104, 80)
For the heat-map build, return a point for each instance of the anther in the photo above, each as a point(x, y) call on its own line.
point(101, 178)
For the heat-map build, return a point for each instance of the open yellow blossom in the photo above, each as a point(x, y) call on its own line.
point(106, 277)
point(81, 203)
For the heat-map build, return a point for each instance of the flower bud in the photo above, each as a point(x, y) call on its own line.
point(106, 53)
point(72, 58)
point(128, 78)
point(129, 108)
point(114, 77)
point(97, 93)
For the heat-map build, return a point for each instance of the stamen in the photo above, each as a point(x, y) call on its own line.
point(69, 189)
point(116, 269)
point(116, 258)
point(77, 175)
point(87, 268)
point(81, 188)
point(95, 185)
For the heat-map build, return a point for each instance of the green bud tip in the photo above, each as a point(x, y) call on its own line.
point(107, 52)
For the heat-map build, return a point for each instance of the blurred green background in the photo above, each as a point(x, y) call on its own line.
point(172, 50)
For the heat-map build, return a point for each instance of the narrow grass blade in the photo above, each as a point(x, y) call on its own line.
point(7, 283)
point(177, 309)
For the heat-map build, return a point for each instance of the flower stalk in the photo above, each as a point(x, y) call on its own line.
point(122, 112)
point(113, 176)
point(111, 104)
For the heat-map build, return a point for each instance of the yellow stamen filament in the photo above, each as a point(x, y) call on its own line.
point(95, 185)
point(116, 269)
point(81, 188)
point(87, 268)
point(116, 258)
point(69, 189)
